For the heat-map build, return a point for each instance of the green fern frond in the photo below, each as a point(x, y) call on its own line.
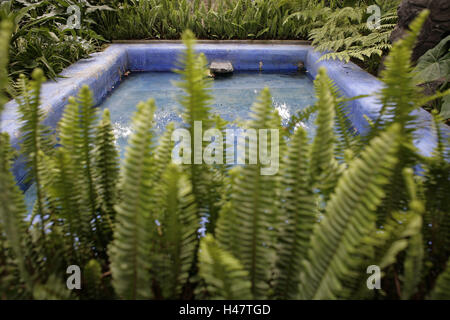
point(223, 274)
point(399, 97)
point(413, 263)
point(253, 209)
point(106, 170)
point(299, 214)
point(402, 231)
point(301, 116)
point(345, 35)
point(324, 168)
point(385, 246)
point(400, 94)
point(64, 190)
point(177, 232)
point(195, 83)
point(13, 211)
point(53, 289)
point(163, 154)
point(87, 118)
point(130, 250)
point(6, 27)
point(413, 266)
point(344, 132)
point(350, 215)
point(35, 137)
point(77, 131)
point(68, 128)
point(225, 231)
point(70, 179)
point(196, 109)
point(441, 290)
point(436, 184)
point(92, 279)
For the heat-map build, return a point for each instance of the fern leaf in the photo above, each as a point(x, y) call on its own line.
point(88, 115)
point(196, 109)
point(193, 71)
point(301, 116)
point(163, 154)
point(223, 274)
point(92, 279)
point(5, 36)
point(402, 231)
point(400, 94)
point(415, 253)
point(178, 232)
point(323, 165)
point(77, 132)
point(350, 216)
point(71, 209)
point(253, 208)
point(413, 266)
point(12, 210)
point(399, 97)
point(106, 170)
point(299, 206)
point(34, 136)
point(130, 250)
point(53, 289)
point(441, 290)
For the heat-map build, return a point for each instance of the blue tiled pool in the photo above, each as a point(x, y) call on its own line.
point(232, 97)
point(104, 70)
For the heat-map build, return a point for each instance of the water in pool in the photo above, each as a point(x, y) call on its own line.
point(233, 97)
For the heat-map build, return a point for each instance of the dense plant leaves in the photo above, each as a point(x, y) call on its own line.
point(445, 107)
point(223, 274)
point(299, 207)
point(269, 242)
point(350, 216)
point(435, 63)
point(131, 247)
point(441, 290)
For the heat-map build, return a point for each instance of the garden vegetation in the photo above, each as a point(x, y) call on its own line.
point(42, 39)
point(339, 204)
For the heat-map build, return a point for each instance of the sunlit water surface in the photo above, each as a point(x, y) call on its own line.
point(233, 97)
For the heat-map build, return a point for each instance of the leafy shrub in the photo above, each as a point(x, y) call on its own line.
point(433, 70)
point(345, 35)
point(337, 28)
point(40, 38)
point(231, 19)
point(308, 232)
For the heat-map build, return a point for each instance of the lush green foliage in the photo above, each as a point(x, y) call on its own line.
point(337, 27)
point(345, 34)
point(40, 38)
point(433, 70)
point(224, 19)
point(338, 205)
